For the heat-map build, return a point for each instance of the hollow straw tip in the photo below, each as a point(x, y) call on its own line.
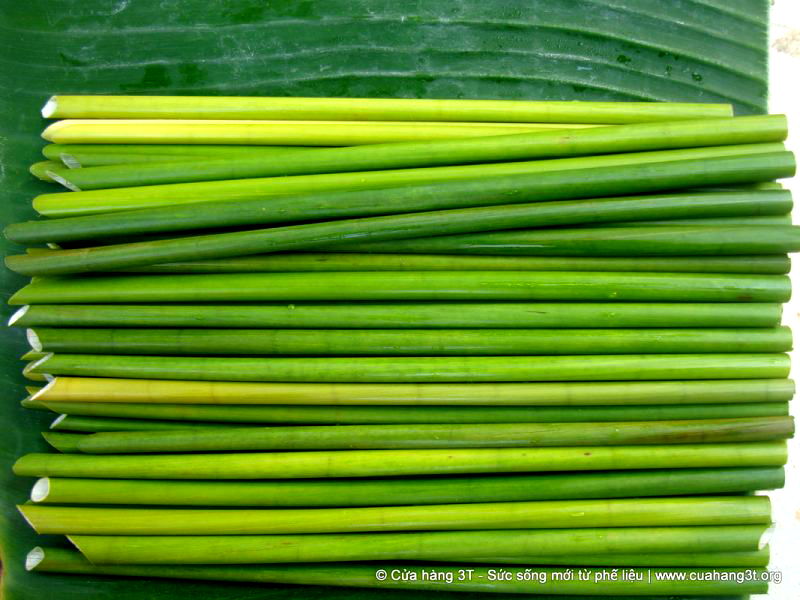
point(34, 558)
point(765, 499)
point(70, 161)
point(33, 340)
point(40, 490)
point(27, 371)
point(50, 107)
point(57, 420)
point(794, 164)
point(765, 538)
point(33, 366)
point(62, 180)
point(18, 315)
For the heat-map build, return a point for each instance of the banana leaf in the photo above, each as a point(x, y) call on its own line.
point(668, 50)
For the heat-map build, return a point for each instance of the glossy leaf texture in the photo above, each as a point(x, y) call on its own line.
point(666, 50)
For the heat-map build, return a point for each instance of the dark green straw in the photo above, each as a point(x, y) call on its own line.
point(484, 435)
point(436, 545)
point(563, 582)
point(117, 416)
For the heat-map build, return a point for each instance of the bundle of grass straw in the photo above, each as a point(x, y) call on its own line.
point(289, 339)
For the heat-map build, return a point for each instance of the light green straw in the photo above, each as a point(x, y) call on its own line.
point(412, 286)
point(386, 463)
point(407, 491)
point(492, 149)
point(408, 342)
point(437, 545)
point(565, 178)
point(407, 369)
point(399, 109)
point(596, 393)
point(276, 132)
point(76, 156)
point(563, 514)
point(754, 558)
point(395, 315)
point(40, 170)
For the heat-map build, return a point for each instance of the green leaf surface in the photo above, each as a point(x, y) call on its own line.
point(679, 50)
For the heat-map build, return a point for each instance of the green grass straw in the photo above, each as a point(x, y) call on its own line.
point(484, 435)
point(321, 262)
point(406, 369)
point(390, 463)
point(407, 342)
point(556, 394)
point(408, 491)
point(221, 107)
point(560, 514)
point(606, 175)
point(438, 545)
point(408, 286)
point(559, 581)
point(397, 315)
point(116, 416)
point(492, 149)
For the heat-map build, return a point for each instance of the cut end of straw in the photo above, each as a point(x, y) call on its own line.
point(63, 442)
point(27, 369)
point(32, 366)
point(21, 509)
point(765, 538)
point(73, 539)
point(18, 315)
point(42, 390)
point(57, 420)
point(33, 340)
point(49, 108)
point(35, 556)
point(70, 161)
point(40, 490)
point(60, 179)
point(28, 403)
